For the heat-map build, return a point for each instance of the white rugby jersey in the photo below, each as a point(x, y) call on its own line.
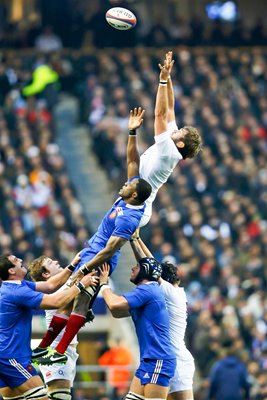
point(158, 162)
point(176, 302)
point(48, 318)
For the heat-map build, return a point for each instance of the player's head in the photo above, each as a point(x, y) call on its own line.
point(42, 268)
point(11, 267)
point(137, 191)
point(170, 272)
point(147, 269)
point(188, 141)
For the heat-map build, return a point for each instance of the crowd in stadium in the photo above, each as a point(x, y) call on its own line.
point(211, 216)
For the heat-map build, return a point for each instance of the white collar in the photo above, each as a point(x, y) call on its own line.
point(16, 282)
point(132, 206)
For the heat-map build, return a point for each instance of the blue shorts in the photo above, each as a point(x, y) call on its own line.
point(158, 372)
point(15, 371)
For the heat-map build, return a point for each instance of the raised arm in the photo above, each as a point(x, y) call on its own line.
point(118, 305)
point(113, 244)
point(139, 248)
point(171, 114)
point(133, 158)
point(60, 299)
point(162, 107)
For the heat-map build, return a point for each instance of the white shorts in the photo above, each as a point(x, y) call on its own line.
point(183, 376)
point(61, 371)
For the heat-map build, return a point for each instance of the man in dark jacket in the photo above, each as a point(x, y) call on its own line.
point(228, 377)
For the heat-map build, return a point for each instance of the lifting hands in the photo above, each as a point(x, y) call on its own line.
point(136, 118)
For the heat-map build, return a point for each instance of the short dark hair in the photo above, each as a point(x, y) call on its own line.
point(169, 272)
point(143, 189)
point(5, 265)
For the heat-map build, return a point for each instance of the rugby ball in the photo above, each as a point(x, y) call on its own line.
point(120, 18)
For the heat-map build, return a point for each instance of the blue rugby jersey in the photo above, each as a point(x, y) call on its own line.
point(121, 220)
point(151, 319)
point(17, 300)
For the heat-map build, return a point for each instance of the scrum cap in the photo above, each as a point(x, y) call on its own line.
point(150, 269)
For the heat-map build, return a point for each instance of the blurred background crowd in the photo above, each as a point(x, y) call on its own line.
point(210, 218)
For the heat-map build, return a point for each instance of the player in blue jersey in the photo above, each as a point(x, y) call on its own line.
point(18, 299)
point(115, 230)
point(146, 305)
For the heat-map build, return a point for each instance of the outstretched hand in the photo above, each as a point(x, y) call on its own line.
point(166, 68)
point(136, 118)
point(104, 273)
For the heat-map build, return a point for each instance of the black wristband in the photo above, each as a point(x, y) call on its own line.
point(132, 132)
point(71, 267)
point(84, 270)
point(80, 286)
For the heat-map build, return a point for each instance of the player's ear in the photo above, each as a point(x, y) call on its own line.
point(11, 271)
point(46, 274)
point(180, 144)
point(134, 195)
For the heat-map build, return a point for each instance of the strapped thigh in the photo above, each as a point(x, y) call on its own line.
point(19, 397)
point(35, 393)
point(133, 396)
point(59, 394)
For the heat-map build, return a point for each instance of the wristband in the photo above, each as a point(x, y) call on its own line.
point(132, 132)
point(71, 267)
point(105, 284)
point(80, 286)
point(163, 81)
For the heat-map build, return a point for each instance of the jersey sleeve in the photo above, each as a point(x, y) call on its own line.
point(138, 297)
point(25, 295)
point(125, 226)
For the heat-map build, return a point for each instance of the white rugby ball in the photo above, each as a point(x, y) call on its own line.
point(120, 18)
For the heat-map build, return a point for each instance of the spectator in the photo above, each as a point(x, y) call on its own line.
point(228, 378)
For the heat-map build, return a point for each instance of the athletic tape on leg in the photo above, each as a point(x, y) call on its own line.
point(134, 396)
point(13, 398)
point(36, 393)
point(59, 394)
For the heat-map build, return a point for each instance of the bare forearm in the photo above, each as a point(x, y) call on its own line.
point(54, 283)
point(144, 248)
point(133, 158)
point(171, 102)
point(117, 305)
point(103, 256)
point(132, 151)
point(161, 110)
point(57, 300)
point(137, 250)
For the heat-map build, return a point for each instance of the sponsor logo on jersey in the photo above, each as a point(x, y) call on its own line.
point(113, 214)
point(146, 376)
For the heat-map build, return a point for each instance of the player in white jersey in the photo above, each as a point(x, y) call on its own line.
point(58, 377)
point(171, 144)
point(181, 385)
